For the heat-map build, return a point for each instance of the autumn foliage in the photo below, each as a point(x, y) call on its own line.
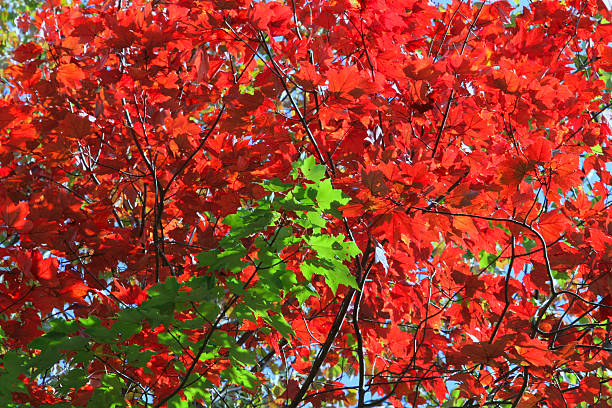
point(210, 203)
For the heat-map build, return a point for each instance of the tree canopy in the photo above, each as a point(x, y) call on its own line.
point(326, 203)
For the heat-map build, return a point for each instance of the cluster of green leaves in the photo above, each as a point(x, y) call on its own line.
point(292, 217)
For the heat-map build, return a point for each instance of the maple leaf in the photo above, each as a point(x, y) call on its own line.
point(14, 216)
point(513, 171)
point(375, 182)
point(529, 400)
point(506, 80)
point(24, 330)
point(308, 77)
point(202, 65)
point(422, 69)
point(71, 289)
point(27, 52)
point(540, 151)
point(552, 225)
point(346, 82)
point(5, 171)
point(6, 117)
point(534, 352)
point(132, 295)
point(272, 16)
point(352, 210)
point(44, 269)
point(70, 75)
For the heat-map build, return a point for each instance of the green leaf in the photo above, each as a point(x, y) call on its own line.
point(241, 377)
point(242, 357)
point(529, 244)
point(311, 170)
point(162, 295)
point(296, 203)
point(124, 329)
point(329, 198)
point(312, 218)
point(332, 247)
point(487, 260)
point(335, 273)
point(229, 259)
point(284, 239)
point(350, 248)
point(48, 340)
point(323, 245)
point(14, 366)
point(74, 379)
point(177, 402)
point(198, 389)
point(276, 185)
point(221, 339)
point(279, 323)
point(247, 222)
point(597, 149)
point(136, 356)
point(93, 326)
point(108, 395)
point(64, 326)
point(303, 292)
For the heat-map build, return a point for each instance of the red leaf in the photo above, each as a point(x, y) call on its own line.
point(271, 16)
point(375, 182)
point(540, 150)
point(6, 117)
point(513, 171)
point(44, 269)
point(72, 290)
point(25, 329)
point(14, 216)
point(552, 225)
point(605, 62)
point(308, 77)
point(5, 171)
point(201, 64)
point(422, 69)
point(70, 75)
point(346, 82)
point(352, 210)
point(505, 80)
point(27, 52)
point(534, 352)
point(132, 295)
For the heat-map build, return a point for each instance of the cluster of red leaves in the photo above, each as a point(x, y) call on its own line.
point(470, 138)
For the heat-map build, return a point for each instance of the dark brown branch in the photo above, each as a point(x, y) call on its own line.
point(523, 387)
point(196, 150)
point(452, 92)
point(506, 295)
point(331, 336)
